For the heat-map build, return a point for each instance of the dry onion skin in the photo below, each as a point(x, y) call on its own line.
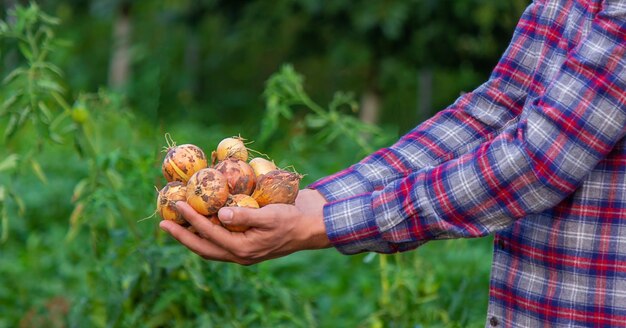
point(277, 187)
point(207, 191)
point(240, 200)
point(261, 166)
point(181, 162)
point(239, 174)
point(231, 147)
point(166, 201)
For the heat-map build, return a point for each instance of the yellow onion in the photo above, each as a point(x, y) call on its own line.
point(181, 162)
point(240, 200)
point(166, 201)
point(277, 187)
point(261, 166)
point(231, 147)
point(207, 191)
point(213, 218)
point(239, 174)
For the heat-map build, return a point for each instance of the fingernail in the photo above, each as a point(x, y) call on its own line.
point(225, 215)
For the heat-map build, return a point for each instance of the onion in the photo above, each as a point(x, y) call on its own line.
point(213, 218)
point(231, 147)
point(207, 191)
point(181, 162)
point(261, 166)
point(277, 187)
point(239, 174)
point(166, 201)
point(240, 200)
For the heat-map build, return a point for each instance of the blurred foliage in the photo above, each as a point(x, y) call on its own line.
point(207, 60)
point(79, 162)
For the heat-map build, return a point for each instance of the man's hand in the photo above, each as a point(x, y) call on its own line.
point(275, 230)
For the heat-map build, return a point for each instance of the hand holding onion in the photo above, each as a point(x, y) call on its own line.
point(231, 181)
point(222, 205)
point(275, 230)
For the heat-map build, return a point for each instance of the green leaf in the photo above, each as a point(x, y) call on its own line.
point(75, 221)
point(55, 137)
point(38, 171)
point(6, 105)
point(14, 74)
point(46, 114)
point(343, 99)
point(79, 189)
point(58, 120)
point(50, 20)
point(50, 86)
point(11, 127)
point(315, 121)
point(117, 182)
point(26, 51)
point(50, 67)
point(9, 162)
point(21, 206)
point(23, 115)
point(60, 100)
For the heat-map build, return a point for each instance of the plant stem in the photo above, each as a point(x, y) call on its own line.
point(385, 299)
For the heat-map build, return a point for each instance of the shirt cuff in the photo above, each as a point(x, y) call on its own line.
point(351, 226)
point(341, 185)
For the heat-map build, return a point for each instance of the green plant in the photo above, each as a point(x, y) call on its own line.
point(285, 95)
point(32, 94)
point(33, 88)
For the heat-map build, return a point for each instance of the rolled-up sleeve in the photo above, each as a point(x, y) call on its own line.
point(493, 174)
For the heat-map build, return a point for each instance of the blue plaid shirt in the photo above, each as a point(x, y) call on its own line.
point(535, 156)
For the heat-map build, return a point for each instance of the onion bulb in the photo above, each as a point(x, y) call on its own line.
point(207, 191)
point(166, 201)
point(231, 147)
point(240, 200)
point(261, 166)
point(181, 162)
point(239, 174)
point(277, 187)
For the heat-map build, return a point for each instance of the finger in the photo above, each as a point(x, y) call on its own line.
point(263, 218)
point(196, 219)
point(214, 233)
point(197, 244)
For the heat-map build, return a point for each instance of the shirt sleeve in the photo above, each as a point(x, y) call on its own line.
point(475, 117)
point(527, 168)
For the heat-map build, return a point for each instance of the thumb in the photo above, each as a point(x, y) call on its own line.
point(242, 216)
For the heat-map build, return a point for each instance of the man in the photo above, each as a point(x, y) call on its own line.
point(535, 156)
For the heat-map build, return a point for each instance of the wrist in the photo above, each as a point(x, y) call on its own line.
point(316, 233)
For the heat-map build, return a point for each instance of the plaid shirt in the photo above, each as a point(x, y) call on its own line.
point(535, 156)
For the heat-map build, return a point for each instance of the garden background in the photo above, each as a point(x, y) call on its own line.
point(90, 88)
